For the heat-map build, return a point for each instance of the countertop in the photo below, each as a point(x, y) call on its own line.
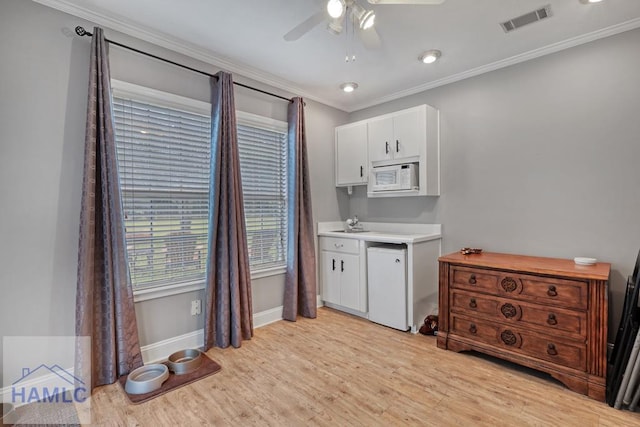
point(383, 232)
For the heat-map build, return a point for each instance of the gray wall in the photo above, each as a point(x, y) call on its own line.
point(43, 93)
point(539, 158)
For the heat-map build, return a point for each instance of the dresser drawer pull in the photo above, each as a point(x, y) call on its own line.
point(472, 328)
point(508, 337)
point(552, 292)
point(508, 310)
point(552, 319)
point(551, 350)
point(508, 284)
point(472, 279)
point(472, 303)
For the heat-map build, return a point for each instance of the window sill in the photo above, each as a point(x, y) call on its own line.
point(140, 295)
point(181, 288)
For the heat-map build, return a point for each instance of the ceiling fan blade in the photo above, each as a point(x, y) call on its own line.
point(305, 26)
point(370, 38)
point(428, 2)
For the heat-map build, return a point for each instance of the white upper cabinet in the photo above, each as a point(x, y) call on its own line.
point(407, 136)
point(398, 135)
point(351, 154)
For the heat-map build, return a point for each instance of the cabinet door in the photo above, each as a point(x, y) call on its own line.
point(349, 267)
point(409, 129)
point(331, 277)
point(351, 154)
point(380, 137)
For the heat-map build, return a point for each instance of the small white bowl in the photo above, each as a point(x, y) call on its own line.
point(584, 260)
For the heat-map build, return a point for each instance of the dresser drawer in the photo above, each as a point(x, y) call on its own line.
point(508, 337)
point(547, 319)
point(336, 244)
point(540, 289)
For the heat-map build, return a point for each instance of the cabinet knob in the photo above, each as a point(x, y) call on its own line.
point(338, 245)
point(551, 350)
point(551, 319)
point(472, 303)
point(472, 279)
point(472, 328)
point(551, 291)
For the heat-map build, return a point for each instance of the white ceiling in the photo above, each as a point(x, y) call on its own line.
point(246, 37)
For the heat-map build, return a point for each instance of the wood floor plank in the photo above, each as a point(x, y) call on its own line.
point(342, 370)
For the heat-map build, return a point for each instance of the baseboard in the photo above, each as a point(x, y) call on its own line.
point(160, 350)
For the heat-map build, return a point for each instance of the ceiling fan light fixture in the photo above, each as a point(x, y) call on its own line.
point(335, 26)
point(349, 87)
point(430, 56)
point(367, 20)
point(336, 8)
point(364, 17)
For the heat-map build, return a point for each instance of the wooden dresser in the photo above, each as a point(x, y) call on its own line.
point(545, 313)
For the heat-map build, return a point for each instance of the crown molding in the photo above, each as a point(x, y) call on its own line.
point(123, 25)
point(532, 54)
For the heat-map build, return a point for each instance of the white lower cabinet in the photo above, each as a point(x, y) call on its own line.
point(342, 273)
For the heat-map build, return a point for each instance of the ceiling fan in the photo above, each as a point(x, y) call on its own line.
point(340, 13)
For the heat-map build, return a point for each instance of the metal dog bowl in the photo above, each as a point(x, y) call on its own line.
point(146, 379)
point(8, 415)
point(185, 361)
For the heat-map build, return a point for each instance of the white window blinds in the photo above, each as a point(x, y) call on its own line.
point(263, 155)
point(163, 147)
point(163, 163)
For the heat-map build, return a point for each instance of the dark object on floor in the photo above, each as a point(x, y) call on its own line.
point(469, 251)
point(625, 337)
point(430, 326)
point(208, 367)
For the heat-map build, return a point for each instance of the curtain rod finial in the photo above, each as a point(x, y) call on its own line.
point(81, 31)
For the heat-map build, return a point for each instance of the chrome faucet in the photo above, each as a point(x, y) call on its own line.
point(354, 224)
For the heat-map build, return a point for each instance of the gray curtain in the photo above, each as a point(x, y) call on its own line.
point(228, 313)
point(300, 283)
point(104, 299)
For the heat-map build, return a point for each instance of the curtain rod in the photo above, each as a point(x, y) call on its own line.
point(82, 32)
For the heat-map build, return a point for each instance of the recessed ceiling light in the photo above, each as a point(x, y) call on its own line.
point(430, 56)
point(349, 86)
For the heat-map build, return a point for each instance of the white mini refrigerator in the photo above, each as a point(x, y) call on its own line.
point(387, 285)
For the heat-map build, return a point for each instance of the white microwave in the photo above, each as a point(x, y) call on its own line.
point(394, 177)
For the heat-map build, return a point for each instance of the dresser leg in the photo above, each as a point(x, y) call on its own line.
point(579, 385)
point(457, 346)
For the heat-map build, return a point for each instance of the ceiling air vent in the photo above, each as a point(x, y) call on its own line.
point(526, 19)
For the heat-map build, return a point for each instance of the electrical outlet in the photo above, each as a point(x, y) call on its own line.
point(196, 307)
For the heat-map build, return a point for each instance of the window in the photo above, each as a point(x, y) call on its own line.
point(262, 144)
point(163, 149)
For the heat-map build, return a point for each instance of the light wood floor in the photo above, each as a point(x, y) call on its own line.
point(341, 370)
